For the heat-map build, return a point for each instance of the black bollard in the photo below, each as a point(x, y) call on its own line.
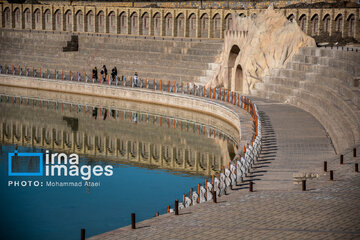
point(82, 234)
point(133, 221)
point(331, 175)
point(214, 196)
point(251, 187)
point(354, 152)
point(325, 166)
point(176, 207)
point(304, 185)
point(356, 167)
point(341, 159)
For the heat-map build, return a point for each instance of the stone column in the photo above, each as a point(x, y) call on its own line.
point(174, 25)
point(107, 22)
point(128, 29)
point(162, 24)
point(186, 24)
point(151, 24)
point(74, 22)
point(197, 28)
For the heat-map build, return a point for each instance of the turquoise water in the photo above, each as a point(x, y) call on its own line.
point(43, 212)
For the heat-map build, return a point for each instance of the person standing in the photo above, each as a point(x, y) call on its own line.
point(95, 74)
point(136, 78)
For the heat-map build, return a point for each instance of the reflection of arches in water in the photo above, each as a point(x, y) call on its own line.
point(179, 156)
point(133, 149)
point(122, 147)
point(144, 152)
point(7, 131)
point(215, 162)
point(67, 139)
point(37, 135)
point(155, 152)
point(99, 144)
point(203, 161)
point(27, 133)
point(17, 132)
point(79, 140)
point(110, 146)
point(48, 136)
point(189, 158)
point(166, 153)
point(58, 138)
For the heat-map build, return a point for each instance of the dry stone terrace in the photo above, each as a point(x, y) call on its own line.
point(278, 209)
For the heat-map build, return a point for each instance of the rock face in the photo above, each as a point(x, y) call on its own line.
point(256, 44)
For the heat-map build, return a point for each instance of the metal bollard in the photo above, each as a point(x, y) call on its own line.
point(356, 167)
point(354, 152)
point(331, 175)
point(176, 207)
point(214, 196)
point(304, 185)
point(133, 221)
point(251, 187)
point(82, 236)
point(341, 159)
point(325, 166)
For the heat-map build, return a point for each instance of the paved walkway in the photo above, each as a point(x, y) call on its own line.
point(278, 209)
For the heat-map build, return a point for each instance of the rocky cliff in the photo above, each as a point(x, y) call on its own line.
point(265, 41)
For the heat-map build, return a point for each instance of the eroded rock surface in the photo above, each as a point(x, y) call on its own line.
point(256, 44)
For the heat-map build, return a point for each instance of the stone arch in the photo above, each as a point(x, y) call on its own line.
point(216, 26)
point(112, 22)
point(204, 26)
point(27, 18)
point(168, 24)
point(291, 17)
point(48, 20)
point(326, 23)
point(233, 53)
point(192, 25)
point(7, 18)
point(315, 25)
point(134, 21)
point(157, 24)
point(17, 18)
point(338, 23)
point(79, 21)
point(242, 15)
point(123, 23)
point(238, 83)
point(145, 23)
point(100, 22)
point(180, 25)
point(228, 21)
point(351, 25)
point(68, 20)
point(37, 19)
point(58, 20)
point(90, 21)
point(302, 22)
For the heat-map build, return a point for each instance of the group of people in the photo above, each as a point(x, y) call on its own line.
point(104, 73)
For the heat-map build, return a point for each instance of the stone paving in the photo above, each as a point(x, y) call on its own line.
point(294, 142)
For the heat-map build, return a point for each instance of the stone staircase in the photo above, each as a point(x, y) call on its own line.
point(167, 59)
point(323, 82)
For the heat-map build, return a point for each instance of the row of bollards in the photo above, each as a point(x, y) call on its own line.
point(331, 172)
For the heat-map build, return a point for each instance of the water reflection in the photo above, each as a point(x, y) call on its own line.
point(122, 134)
